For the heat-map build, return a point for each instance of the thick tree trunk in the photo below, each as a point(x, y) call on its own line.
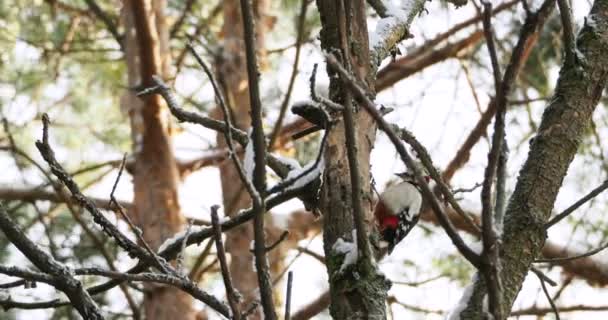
point(156, 208)
point(563, 125)
point(354, 295)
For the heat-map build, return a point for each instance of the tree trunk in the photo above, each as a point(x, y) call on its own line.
point(354, 295)
point(563, 125)
point(156, 208)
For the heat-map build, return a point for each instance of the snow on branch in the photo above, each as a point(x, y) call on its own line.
point(348, 249)
point(393, 27)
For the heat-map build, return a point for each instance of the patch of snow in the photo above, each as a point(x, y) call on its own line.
point(395, 15)
point(464, 300)
point(305, 175)
point(249, 159)
point(289, 162)
point(178, 237)
point(349, 249)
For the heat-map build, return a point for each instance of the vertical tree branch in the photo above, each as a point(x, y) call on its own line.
point(565, 13)
point(491, 241)
point(259, 172)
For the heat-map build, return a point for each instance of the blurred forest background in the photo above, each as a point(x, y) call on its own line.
point(81, 62)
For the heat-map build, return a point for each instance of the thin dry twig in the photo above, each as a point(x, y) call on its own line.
point(231, 294)
point(577, 204)
point(542, 284)
point(294, 72)
point(288, 294)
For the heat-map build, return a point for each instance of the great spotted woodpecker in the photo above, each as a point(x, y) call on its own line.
point(398, 209)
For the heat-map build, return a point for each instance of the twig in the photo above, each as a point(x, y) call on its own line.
point(583, 255)
point(137, 231)
point(526, 41)
point(172, 280)
point(294, 72)
point(171, 251)
point(568, 31)
point(93, 6)
point(419, 283)
point(469, 254)
point(259, 171)
point(542, 284)
point(62, 276)
point(466, 190)
point(491, 241)
point(311, 253)
point(121, 239)
point(577, 204)
point(426, 160)
point(543, 276)
point(288, 294)
point(231, 294)
point(182, 17)
point(281, 238)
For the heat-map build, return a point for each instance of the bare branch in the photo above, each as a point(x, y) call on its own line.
point(528, 36)
point(259, 172)
point(568, 31)
point(294, 72)
point(583, 255)
point(542, 284)
point(231, 294)
point(288, 294)
point(577, 204)
point(62, 275)
point(491, 241)
point(37, 194)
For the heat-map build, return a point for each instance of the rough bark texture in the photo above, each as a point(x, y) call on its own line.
point(353, 294)
point(156, 208)
point(564, 122)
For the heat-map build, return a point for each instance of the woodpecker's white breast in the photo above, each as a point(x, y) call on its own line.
point(400, 196)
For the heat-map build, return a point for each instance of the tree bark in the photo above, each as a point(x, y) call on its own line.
point(354, 295)
point(156, 207)
point(567, 117)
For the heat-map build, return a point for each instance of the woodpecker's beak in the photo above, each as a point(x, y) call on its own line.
point(402, 175)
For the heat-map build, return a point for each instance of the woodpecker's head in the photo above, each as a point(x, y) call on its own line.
point(409, 175)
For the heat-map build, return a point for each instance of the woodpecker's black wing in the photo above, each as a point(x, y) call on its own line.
point(407, 222)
